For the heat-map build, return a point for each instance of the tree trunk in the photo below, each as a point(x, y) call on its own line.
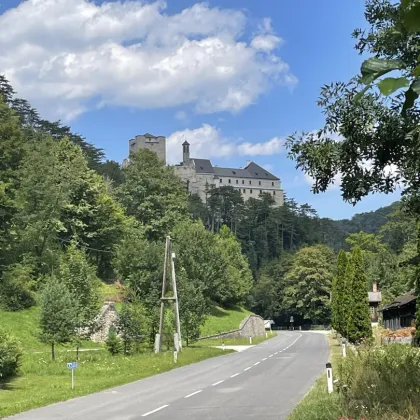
point(52, 351)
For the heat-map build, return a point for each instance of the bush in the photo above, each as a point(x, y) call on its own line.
point(10, 353)
point(15, 288)
point(113, 342)
point(382, 380)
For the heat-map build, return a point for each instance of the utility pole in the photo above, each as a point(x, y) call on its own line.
point(164, 299)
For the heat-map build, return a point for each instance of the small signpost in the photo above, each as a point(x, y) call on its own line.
point(72, 366)
point(292, 320)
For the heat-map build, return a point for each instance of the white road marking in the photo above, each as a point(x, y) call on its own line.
point(154, 411)
point(194, 393)
point(217, 383)
point(271, 355)
point(236, 374)
point(255, 364)
point(248, 368)
point(263, 360)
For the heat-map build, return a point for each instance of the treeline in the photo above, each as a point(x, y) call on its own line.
point(66, 225)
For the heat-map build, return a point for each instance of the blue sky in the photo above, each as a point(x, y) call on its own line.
point(234, 77)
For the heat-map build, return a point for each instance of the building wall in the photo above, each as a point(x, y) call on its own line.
point(252, 187)
point(155, 144)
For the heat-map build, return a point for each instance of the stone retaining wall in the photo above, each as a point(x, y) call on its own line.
point(251, 326)
point(105, 320)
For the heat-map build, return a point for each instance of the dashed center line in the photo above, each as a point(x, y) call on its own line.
point(255, 364)
point(217, 383)
point(271, 355)
point(236, 374)
point(247, 368)
point(154, 411)
point(263, 360)
point(194, 393)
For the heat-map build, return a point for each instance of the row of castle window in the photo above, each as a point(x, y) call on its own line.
point(261, 192)
point(243, 182)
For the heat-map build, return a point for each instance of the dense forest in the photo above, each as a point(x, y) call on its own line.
point(69, 220)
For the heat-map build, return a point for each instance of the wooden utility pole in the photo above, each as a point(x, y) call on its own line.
point(164, 299)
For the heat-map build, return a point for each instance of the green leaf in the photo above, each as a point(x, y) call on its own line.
point(417, 71)
point(377, 67)
point(411, 15)
point(389, 85)
point(416, 86)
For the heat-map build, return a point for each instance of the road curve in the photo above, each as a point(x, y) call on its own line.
point(263, 382)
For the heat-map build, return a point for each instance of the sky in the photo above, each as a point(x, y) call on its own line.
point(233, 77)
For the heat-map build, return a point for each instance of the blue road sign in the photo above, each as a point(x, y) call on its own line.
point(72, 365)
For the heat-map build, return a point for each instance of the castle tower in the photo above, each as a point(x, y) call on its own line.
point(186, 153)
point(147, 141)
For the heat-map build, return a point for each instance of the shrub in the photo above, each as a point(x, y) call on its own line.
point(15, 288)
point(382, 380)
point(113, 342)
point(10, 353)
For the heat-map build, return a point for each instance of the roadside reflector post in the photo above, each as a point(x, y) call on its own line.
point(175, 356)
point(250, 340)
point(223, 345)
point(330, 386)
point(343, 347)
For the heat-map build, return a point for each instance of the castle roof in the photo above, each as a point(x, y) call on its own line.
point(204, 166)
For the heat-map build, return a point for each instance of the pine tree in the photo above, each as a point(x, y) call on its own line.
point(360, 326)
point(337, 293)
point(58, 318)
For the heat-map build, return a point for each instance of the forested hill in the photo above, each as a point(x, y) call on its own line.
point(369, 222)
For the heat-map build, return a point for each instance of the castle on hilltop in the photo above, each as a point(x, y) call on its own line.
point(200, 174)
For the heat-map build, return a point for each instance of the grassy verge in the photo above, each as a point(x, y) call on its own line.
point(318, 404)
point(243, 341)
point(222, 320)
point(44, 382)
point(375, 383)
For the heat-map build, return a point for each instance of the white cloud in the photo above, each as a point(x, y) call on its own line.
point(208, 142)
point(268, 166)
point(70, 56)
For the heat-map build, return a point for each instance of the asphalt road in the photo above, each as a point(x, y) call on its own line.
point(264, 382)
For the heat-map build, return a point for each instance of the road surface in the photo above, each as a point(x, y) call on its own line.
point(264, 382)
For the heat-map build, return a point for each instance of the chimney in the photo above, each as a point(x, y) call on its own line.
point(375, 287)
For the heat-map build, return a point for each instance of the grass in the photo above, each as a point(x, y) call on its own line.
point(374, 382)
point(44, 382)
point(242, 341)
point(24, 326)
point(110, 292)
point(222, 320)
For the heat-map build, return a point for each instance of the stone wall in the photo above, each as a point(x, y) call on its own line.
point(106, 319)
point(251, 326)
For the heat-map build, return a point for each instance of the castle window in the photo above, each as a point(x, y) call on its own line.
point(201, 167)
point(250, 191)
point(237, 181)
point(133, 144)
point(274, 193)
point(256, 173)
point(243, 182)
point(234, 173)
point(244, 190)
point(229, 181)
point(272, 183)
point(250, 182)
point(259, 182)
point(266, 174)
point(221, 180)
